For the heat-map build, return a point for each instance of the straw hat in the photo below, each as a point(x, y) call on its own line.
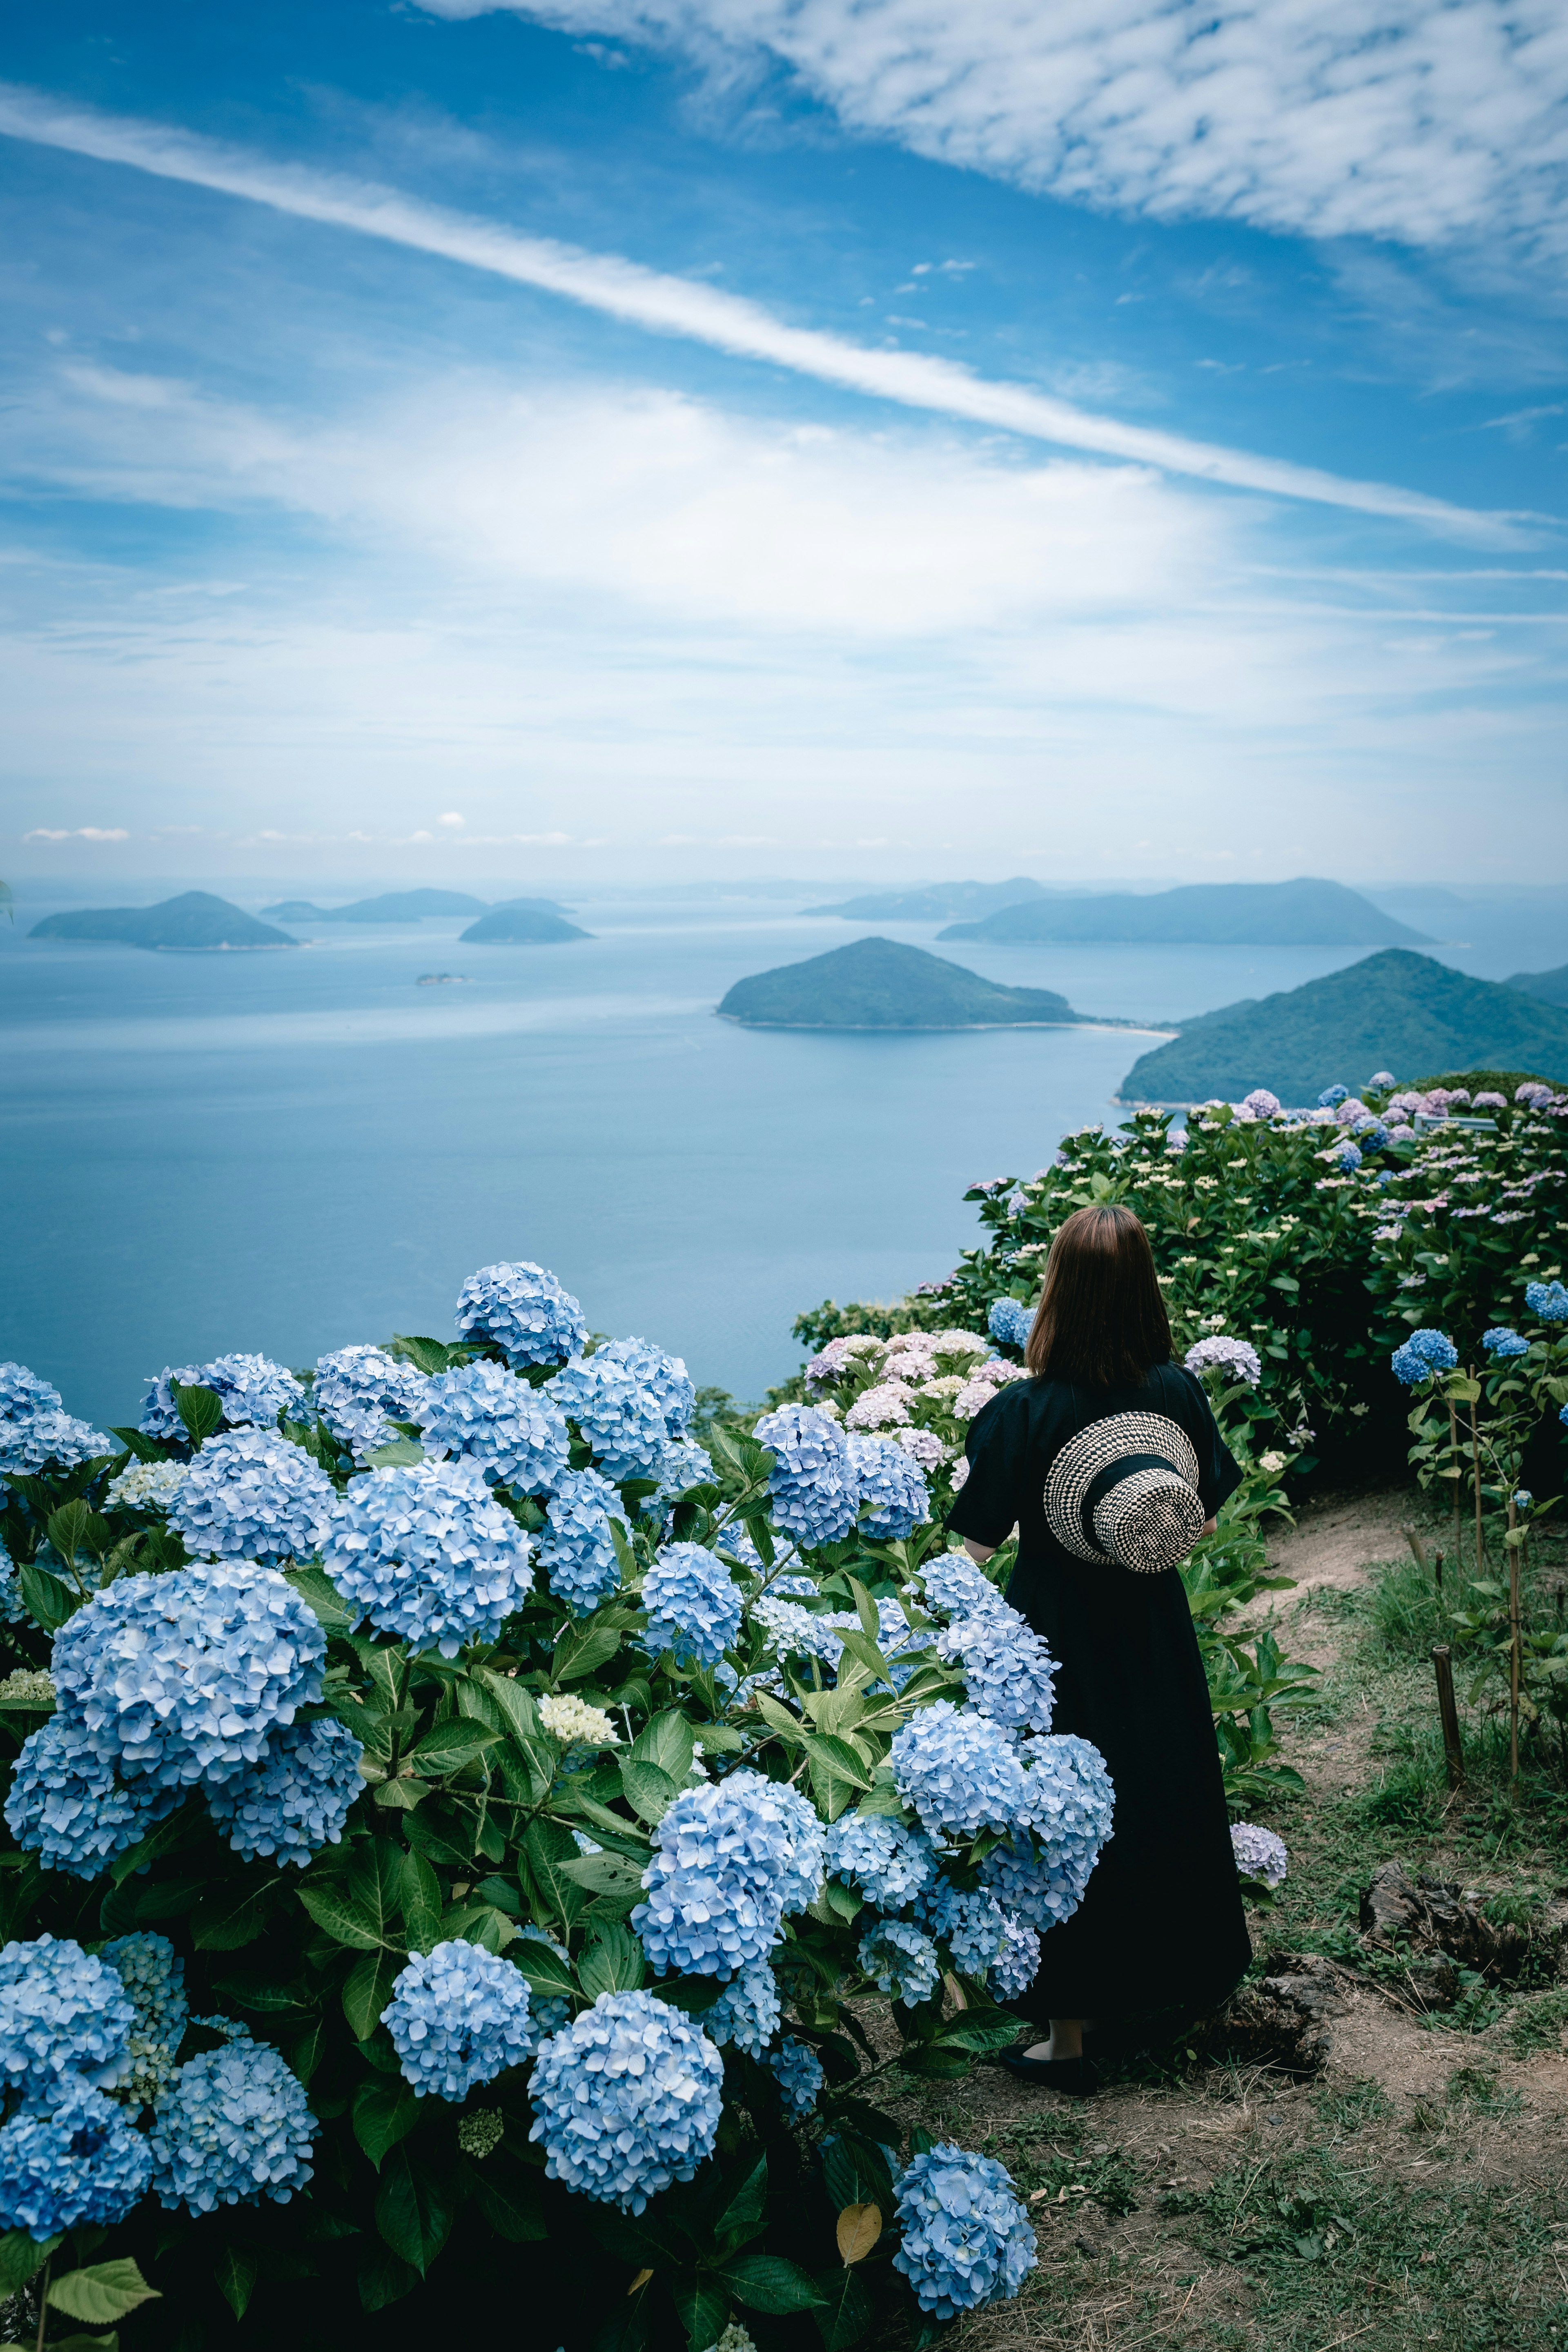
point(1124, 1493)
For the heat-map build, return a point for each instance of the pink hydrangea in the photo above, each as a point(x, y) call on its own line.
point(921, 1445)
point(883, 1407)
point(1258, 1104)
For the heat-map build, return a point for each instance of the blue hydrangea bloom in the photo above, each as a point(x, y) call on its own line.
point(1502, 1342)
point(360, 1391)
point(1423, 1355)
point(966, 2240)
point(1548, 1301)
point(35, 1427)
point(954, 1586)
point(253, 1390)
point(795, 1632)
point(81, 2162)
point(888, 1862)
point(153, 1977)
point(1010, 1321)
point(663, 1378)
point(621, 1419)
point(233, 2127)
point(524, 1310)
point(1332, 1096)
point(1017, 1964)
point(516, 1434)
point(815, 1491)
point(960, 1773)
point(575, 1548)
point(1259, 1853)
point(248, 1494)
point(680, 1468)
point(797, 2070)
point(972, 1926)
point(1070, 1806)
point(297, 1799)
point(24, 1395)
point(1348, 1156)
point(734, 1855)
point(884, 1475)
point(1009, 1672)
point(746, 2012)
point(13, 1609)
point(429, 1555)
point(65, 1805)
point(900, 1960)
point(693, 1605)
point(457, 2016)
point(181, 1677)
point(63, 2015)
point(629, 2098)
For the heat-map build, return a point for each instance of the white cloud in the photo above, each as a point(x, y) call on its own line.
point(669, 304)
point(76, 833)
point(1428, 121)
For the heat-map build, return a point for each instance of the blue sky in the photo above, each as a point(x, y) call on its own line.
point(661, 437)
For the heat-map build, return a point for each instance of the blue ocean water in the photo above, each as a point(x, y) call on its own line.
point(289, 1151)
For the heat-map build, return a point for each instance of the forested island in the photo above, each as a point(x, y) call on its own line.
point(1303, 913)
point(523, 922)
point(195, 920)
point(879, 985)
point(391, 906)
point(936, 902)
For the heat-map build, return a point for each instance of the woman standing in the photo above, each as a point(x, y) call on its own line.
point(1109, 1463)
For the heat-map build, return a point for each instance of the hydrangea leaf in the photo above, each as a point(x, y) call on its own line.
point(507, 2195)
point(449, 1747)
point(20, 2256)
point(316, 1588)
point(580, 1651)
point(703, 2308)
point(398, 1453)
point(421, 1891)
point(438, 1835)
point(746, 2213)
point(550, 1848)
point(234, 2272)
point(934, 2063)
point(102, 2292)
point(480, 1923)
point(384, 2277)
point(414, 2209)
point(385, 2111)
point(770, 2282)
point(367, 1989)
point(227, 1921)
point(549, 1975)
point(667, 1741)
point(607, 1877)
point(845, 2310)
point(614, 1963)
point(649, 1791)
point(47, 1601)
point(857, 2230)
point(200, 1409)
point(344, 1919)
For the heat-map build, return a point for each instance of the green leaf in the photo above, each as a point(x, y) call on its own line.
point(413, 2209)
point(235, 2270)
point(481, 1924)
point(429, 1356)
point(384, 2277)
point(400, 1796)
point(842, 1760)
point(606, 1874)
point(703, 2308)
point(386, 2110)
point(102, 2292)
point(307, 2053)
point(421, 1892)
point(136, 1442)
point(845, 2309)
point(47, 1601)
point(20, 2257)
point(747, 2212)
point(224, 1922)
point(583, 1649)
point(450, 1745)
point(397, 1454)
point(442, 1835)
point(316, 1588)
point(367, 1990)
point(648, 1790)
point(614, 1963)
point(346, 1921)
point(864, 1609)
point(507, 2196)
point(75, 1527)
point(979, 2030)
point(937, 2065)
point(551, 1850)
point(769, 2283)
point(200, 1409)
point(667, 1741)
point(549, 1975)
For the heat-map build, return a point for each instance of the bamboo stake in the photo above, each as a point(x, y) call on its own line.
point(1443, 1666)
point(1454, 1458)
point(1475, 1468)
point(1516, 1645)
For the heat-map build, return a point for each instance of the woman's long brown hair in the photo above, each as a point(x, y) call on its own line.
point(1101, 1318)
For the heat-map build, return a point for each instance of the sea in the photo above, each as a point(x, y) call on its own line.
point(289, 1151)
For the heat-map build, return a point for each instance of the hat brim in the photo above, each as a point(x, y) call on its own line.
point(1096, 1449)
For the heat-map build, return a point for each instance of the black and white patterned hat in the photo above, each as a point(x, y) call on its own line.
point(1124, 1493)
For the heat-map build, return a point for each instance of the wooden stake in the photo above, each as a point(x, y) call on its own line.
point(1515, 1646)
point(1437, 1570)
point(1443, 1666)
point(1417, 1549)
point(1475, 1468)
point(1454, 1458)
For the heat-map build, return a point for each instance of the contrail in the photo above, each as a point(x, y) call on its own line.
point(680, 306)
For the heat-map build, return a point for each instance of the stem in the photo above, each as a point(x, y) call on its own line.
point(1476, 1465)
point(402, 1702)
point(1454, 1457)
point(44, 2303)
point(1516, 1646)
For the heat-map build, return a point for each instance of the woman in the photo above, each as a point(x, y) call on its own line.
point(1109, 1463)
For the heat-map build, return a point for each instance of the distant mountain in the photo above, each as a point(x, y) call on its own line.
point(1551, 985)
point(1393, 1012)
point(877, 984)
point(298, 911)
point(525, 923)
point(1214, 914)
point(194, 920)
point(930, 905)
point(392, 907)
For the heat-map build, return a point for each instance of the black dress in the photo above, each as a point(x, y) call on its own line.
point(1161, 1921)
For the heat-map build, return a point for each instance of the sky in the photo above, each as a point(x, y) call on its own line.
point(656, 437)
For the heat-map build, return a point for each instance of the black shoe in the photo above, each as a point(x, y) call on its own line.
point(1075, 2078)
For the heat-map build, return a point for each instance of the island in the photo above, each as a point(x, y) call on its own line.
point(1395, 1011)
point(875, 983)
point(195, 920)
point(936, 903)
point(392, 907)
point(1551, 986)
point(521, 922)
point(1303, 913)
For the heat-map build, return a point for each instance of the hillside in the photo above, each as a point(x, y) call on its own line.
point(392, 907)
point(1396, 1011)
point(929, 906)
point(194, 920)
point(1551, 986)
point(877, 984)
point(1304, 913)
point(525, 922)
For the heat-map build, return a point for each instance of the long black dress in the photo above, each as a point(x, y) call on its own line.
point(1161, 1921)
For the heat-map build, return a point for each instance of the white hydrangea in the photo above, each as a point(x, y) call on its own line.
point(147, 1486)
point(568, 1717)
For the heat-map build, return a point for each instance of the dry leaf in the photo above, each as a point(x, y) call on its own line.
point(859, 2227)
point(641, 2279)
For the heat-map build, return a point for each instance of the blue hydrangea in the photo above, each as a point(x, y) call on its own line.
point(973, 1927)
point(1010, 1322)
point(1009, 1672)
point(1423, 1356)
point(575, 1548)
point(965, 2238)
point(1504, 1343)
point(233, 2128)
point(1259, 1853)
point(900, 1960)
point(680, 1468)
point(663, 1378)
point(959, 1772)
point(888, 1862)
point(360, 1391)
point(457, 2016)
point(516, 1434)
point(797, 2070)
point(954, 1586)
point(24, 1395)
point(1017, 1964)
point(524, 1310)
point(79, 2163)
point(621, 1419)
point(429, 1555)
point(1332, 1096)
point(66, 1806)
point(1232, 1358)
point(795, 1632)
point(63, 2015)
point(1348, 1156)
point(13, 1608)
point(884, 1475)
point(746, 2012)
point(297, 1799)
point(36, 1428)
point(181, 1677)
point(248, 1494)
point(815, 1491)
point(628, 2099)
point(252, 1389)
point(734, 1855)
point(693, 1605)
point(1548, 1301)
point(1372, 1134)
point(153, 1977)
point(1070, 1806)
